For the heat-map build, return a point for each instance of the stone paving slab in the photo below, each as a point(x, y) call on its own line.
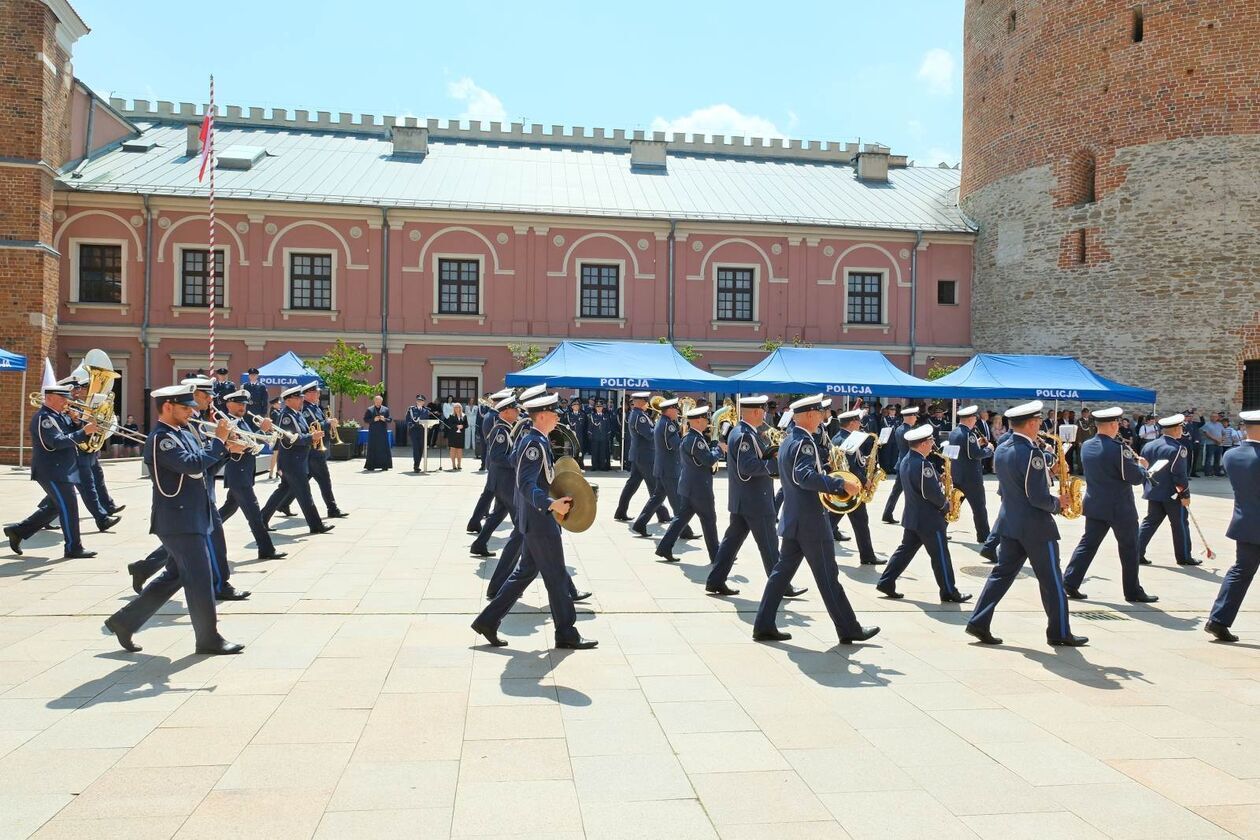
point(364, 706)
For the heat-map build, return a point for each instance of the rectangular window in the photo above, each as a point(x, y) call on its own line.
point(947, 292)
point(601, 286)
point(100, 274)
point(866, 298)
point(195, 278)
point(734, 294)
point(462, 388)
point(1251, 385)
point(310, 281)
point(458, 287)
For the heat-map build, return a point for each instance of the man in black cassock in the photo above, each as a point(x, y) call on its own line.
point(377, 421)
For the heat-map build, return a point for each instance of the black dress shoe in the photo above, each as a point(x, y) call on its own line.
point(689, 534)
point(78, 554)
point(721, 589)
point(124, 636)
point(666, 556)
point(285, 512)
point(108, 522)
point(1143, 598)
point(840, 537)
point(337, 514)
point(795, 591)
point(874, 562)
point(1070, 641)
point(322, 529)
point(231, 593)
point(274, 555)
point(480, 552)
point(223, 648)
point(889, 520)
point(15, 539)
point(117, 508)
point(1075, 594)
point(862, 635)
point(622, 517)
point(889, 590)
point(473, 527)
point(640, 530)
point(491, 634)
point(770, 636)
point(577, 644)
point(580, 596)
point(138, 577)
point(985, 637)
point(1193, 561)
point(1142, 561)
point(989, 554)
point(955, 598)
point(1220, 631)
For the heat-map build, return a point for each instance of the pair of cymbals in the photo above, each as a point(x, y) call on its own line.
point(569, 481)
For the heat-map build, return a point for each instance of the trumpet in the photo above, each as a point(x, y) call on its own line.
point(279, 433)
point(253, 441)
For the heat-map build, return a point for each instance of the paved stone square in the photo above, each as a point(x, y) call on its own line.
point(364, 707)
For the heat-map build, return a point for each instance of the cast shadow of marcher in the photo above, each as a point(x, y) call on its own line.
point(1070, 663)
point(145, 676)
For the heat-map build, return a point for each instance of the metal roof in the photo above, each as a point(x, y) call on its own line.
point(466, 174)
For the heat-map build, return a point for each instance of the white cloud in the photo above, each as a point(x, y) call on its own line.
point(937, 69)
point(479, 103)
point(719, 119)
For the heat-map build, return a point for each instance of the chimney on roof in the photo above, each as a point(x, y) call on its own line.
point(411, 140)
point(647, 154)
point(872, 163)
point(192, 134)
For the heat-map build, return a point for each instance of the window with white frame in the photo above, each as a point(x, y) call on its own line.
point(601, 290)
point(462, 388)
point(194, 279)
point(734, 294)
point(865, 298)
point(310, 281)
point(100, 273)
point(459, 287)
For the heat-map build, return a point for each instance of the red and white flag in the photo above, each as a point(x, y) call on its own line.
point(207, 125)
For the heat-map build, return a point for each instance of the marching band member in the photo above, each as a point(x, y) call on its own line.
point(850, 422)
point(317, 466)
point(1167, 492)
point(806, 532)
point(542, 553)
point(909, 419)
point(695, 486)
point(487, 496)
point(91, 483)
point(500, 479)
point(1027, 531)
point(1111, 472)
point(665, 466)
point(55, 465)
point(923, 522)
point(599, 430)
point(238, 478)
point(416, 431)
point(967, 470)
point(1242, 466)
point(183, 518)
point(642, 455)
point(293, 457)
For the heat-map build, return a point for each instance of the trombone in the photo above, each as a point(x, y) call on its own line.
point(253, 441)
point(281, 434)
point(108, 428)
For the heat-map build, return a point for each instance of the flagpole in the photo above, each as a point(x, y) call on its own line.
point(211, 292)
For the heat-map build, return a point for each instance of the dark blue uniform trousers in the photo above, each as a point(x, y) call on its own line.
point(542, 554)
point(59, 503)
point(993, 539)
point(662, 488)
point(708, 524)
point(860, 519)
point(289, 491)
point(1156, 513)
point(88, 490)
point(973, 492)
point(737, 530)
point(637, 477)
point(244, 499)
point(502, 495)
point(483, 507)
point(938, 551)
point(188, 565)
point(891, 505)
point(417, 448)
point(102, 491)
point(509, 559)
point(317, 468)
point(220, 572)
point(1044, 557)
point(1126, 540)
point(821, 556)
point(1234, 587)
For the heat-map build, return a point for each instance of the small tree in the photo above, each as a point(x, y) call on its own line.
point(340, 368)
point(687, 351)
point(937, 371)
point(771, 344)
point(525, 355)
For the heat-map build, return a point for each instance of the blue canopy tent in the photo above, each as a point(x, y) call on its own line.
point(14, 363)
point(1032, 378)
point(852, 373)
point(619, 366)
point(285, 372)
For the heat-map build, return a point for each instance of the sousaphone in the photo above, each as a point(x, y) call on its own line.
point(569, 481)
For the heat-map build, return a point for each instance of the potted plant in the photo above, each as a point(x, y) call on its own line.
point(348, 433)
point(341, 368)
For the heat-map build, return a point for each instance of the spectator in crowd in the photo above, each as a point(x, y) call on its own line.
point(456, 432)
point(120, 445)
point(1148, 429)
point(1230, 437)
point(1213, 433)
point(1192, 434)
point(1127, 433)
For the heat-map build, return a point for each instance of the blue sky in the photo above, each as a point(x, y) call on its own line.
point(886, 72)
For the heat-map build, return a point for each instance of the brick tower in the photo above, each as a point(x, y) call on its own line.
point(35, 43)
point(1111, 157)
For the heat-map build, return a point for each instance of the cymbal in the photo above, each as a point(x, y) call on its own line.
point(566, 463)
point(574, 484)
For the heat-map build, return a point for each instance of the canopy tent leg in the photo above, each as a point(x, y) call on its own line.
point(953, 414)
point(22, 420)
point(623, 429)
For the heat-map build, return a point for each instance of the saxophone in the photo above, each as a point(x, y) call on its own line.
point(1071, 488)
point(953, 497)
point(874, 473)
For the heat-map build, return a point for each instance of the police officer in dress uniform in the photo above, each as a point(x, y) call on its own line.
point(1027, 531)
point(317, 466)
point(501, 475)
point(859, 516)
point(416, 432)
point(887, 452)
point(923, 523)
point(203, 395)
point(806, 532)
point(55, 465)
point(258, 402)
point(642, 454)
point(1167, 492)
point(221, 387)
point(909, 419)
point(751, 466)
point(1111, 472)
point(542, 552)
point(599, 429)
point(293, 455)
point(238, 478)
point(91, 478)
point(183, 517)
point(989, 549)
point(575, 419)
point(1242, 466)
point(666, 468)
point(695, 486)
point(967, 470)
point(486, 499)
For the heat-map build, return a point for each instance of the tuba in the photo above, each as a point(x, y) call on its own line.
point(1071, 488)
point(838, 467)
point(98, 404)
point(725, 414)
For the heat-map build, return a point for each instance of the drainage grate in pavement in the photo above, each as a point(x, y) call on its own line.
point(1100, 615)
point(983, 571)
